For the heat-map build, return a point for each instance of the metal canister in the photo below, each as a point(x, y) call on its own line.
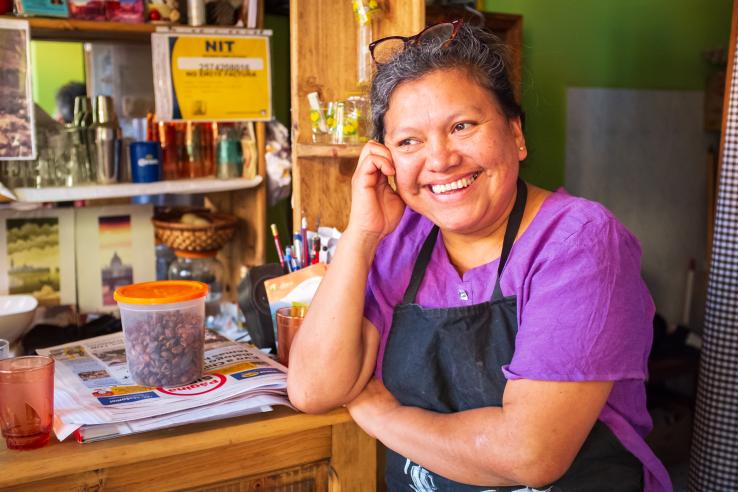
point(107, 141)
point(196, 12)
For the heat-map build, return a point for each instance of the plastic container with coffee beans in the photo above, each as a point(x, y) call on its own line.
point(164, 331)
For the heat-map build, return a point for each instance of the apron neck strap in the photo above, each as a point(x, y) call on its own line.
point(420, 264)
point(511, 231)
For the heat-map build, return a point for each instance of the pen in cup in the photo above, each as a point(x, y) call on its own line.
point(288, 258)
point(305, 245)
point(275, 234)
point(297, 250)
point(316, 250)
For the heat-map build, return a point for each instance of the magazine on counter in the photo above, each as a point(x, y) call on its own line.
point(95, 398)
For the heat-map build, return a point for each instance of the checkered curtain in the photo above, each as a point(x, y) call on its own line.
point(714, 459)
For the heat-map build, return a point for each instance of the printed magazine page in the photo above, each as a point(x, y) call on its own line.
point(93, 387)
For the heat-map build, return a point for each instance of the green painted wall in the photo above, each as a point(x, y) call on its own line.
point(280, 46)
point(281, 213)
point(654, 44)
point(54, 64)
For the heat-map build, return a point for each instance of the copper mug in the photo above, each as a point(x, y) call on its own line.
point(289, 320)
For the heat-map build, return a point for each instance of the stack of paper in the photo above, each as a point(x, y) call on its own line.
point(94, 397)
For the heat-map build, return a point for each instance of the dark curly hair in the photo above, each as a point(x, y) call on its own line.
point(474, 49)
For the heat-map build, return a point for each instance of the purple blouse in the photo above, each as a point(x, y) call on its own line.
point(584, 312)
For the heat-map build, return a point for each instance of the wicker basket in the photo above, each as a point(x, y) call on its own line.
point(187, 237)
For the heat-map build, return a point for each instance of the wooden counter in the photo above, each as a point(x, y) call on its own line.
point(278, 450)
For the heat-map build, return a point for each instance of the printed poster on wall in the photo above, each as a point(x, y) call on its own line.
point(117, 245)
point(37, 255)
point(17, 138)
point(212, 77)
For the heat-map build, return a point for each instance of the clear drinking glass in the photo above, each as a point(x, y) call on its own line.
point(339, 136)
point(44, 172)
point(319, 125)
point(26, 401)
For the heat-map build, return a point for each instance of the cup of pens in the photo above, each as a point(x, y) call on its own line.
point(302, 252)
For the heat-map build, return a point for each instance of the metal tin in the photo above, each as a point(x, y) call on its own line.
point(196, 12)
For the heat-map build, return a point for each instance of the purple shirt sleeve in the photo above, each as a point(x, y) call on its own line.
point(586, 312)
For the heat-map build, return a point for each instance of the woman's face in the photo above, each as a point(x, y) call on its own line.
point(455, 152)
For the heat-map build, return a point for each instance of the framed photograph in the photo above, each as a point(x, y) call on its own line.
point(17, 135)
point(115, 247)
point(37, 255)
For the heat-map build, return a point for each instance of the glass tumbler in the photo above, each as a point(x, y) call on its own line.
point(26, 401)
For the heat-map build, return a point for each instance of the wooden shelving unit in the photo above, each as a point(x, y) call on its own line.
point(246, 199)
point(328, 64)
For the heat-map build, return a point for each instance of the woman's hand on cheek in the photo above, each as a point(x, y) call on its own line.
point(376, 208)
point(372, 406)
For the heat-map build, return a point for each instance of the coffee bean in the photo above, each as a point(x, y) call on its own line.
point(164, 348)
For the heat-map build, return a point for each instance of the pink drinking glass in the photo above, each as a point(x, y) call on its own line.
point(26, 401)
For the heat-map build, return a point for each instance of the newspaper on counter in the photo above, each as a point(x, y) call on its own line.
point(95, 397)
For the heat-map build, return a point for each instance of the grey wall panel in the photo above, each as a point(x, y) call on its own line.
point(642, 154)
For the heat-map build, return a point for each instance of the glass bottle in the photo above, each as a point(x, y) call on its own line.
point(168, 139)
point(229, 157)
point(367, 14)
point(193, 166)
point(203, 267)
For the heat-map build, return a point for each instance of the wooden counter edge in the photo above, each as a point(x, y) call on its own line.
point(69, 457)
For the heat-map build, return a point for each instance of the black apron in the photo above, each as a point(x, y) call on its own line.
point(450, 359)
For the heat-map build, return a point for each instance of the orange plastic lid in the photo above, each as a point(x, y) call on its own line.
point(161, 292)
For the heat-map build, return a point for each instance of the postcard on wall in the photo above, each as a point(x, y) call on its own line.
point(115, 247)
point(37, 255)
point(17, 135)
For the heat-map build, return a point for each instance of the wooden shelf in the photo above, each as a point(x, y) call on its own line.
point(328, 150)
point(96, 192)
point(84, 30)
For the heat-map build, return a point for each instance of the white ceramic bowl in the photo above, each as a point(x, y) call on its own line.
point(16, 313)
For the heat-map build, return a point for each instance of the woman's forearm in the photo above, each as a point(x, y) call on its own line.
point(531, 440)
point(328, 352)
point(469, 447)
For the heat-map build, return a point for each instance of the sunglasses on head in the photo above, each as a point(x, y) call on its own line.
point(385, 49)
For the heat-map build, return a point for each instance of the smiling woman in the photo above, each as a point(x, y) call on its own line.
point(457, 159)
point(507, 327)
